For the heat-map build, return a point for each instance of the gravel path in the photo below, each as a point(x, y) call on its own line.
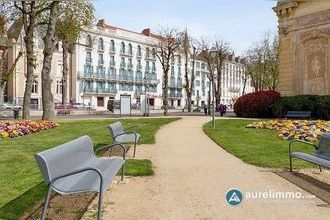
point(192, 177)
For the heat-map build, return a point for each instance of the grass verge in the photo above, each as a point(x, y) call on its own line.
point(21, 184)
point(259, 147)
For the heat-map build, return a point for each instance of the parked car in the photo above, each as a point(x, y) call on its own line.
point(68, 106)
point(9, 106)
point(82, 106)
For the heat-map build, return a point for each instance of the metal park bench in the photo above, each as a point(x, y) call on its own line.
point(119, 135)
point(320, 157)
point(298, 114)
point(73, 167)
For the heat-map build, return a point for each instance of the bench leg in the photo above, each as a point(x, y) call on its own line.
point(122, 172)
point(99, 210)
point(290, 163)
point(44, 210)
point(320, 168)
point(134, 149)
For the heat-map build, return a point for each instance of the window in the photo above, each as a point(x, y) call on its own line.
point(59, 87)
point(139, 64)
point(35, 87)
point(147, 52)
point(203, 66)
point(112, 46)
point(101, 46)
point(198, 64)
point(153, 53)
point(179, 59)
point(122, 62)
point(179, 71)
point(197, 93)
point(198, 73)
point(198, 83)
point(139, 53)
point(153, 66)
point(122, 48)
point(203, 92)
point(101, 61)
point(89, 41)
point(147, 65)
point(112, 60)
point(130, 49)
point(88, 57)
point(172, 58)
point(172, 71)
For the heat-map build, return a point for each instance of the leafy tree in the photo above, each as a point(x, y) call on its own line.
point(74, 17)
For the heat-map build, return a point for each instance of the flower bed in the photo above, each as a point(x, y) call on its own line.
point(294, 129)
point(11, 129)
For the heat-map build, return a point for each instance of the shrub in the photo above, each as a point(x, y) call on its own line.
point(318, 105)
point(257, 104)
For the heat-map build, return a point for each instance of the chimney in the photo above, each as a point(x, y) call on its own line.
point(100, 23)
point(146, 32)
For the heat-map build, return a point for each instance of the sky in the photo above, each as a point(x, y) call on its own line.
point(239, 22)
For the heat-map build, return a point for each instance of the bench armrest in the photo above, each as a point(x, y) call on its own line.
point(76, 172)
point(112, 146)
point(303, 142)
point(132, 129)
point(131, 132)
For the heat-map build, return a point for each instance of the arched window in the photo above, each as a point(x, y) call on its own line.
point(122, 48)
point(35, 87)
point(112, 46)
point(89, 41)
point(153, 53)
point(101, 45)
point(139, 53)
point(130, 49)
point(147, 52)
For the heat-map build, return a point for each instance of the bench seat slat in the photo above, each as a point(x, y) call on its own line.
point(89, 180)
point(312, 158)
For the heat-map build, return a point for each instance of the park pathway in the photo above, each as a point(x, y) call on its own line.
point(192, 176)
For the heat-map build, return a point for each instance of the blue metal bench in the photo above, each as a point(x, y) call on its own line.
point(73, 167)
point(320, 157)
point(298, 114)
point(124, 136)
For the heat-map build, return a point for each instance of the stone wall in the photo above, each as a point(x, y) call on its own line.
point(304, 28)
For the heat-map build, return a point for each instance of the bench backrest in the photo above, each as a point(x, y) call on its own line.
point(324, 145)
point(116, 128)
point(65, 158)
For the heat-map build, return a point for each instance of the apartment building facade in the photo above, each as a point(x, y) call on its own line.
point(109, 61)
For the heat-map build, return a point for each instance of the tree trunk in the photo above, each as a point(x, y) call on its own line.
point(209, 100)
point(29, 26)
point(65, 48)
point(165, 97)
point(49, 41)
point(187, 86)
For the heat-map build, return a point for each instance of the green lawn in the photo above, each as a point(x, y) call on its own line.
point(21, 184)
point(259, 147)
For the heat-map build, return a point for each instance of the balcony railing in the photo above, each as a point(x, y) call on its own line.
point(88, 60)
point(129, 66)
point(112, 50)
point(113, 63)
point(100, 62)
point(152, 77)
point(139, 66)
point(138, 92)
point(123, 65)
point(126, 77)
point(88, 71)
point(138, 78)
point(147, 69)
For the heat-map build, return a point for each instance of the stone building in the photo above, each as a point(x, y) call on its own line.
point(304, 28)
